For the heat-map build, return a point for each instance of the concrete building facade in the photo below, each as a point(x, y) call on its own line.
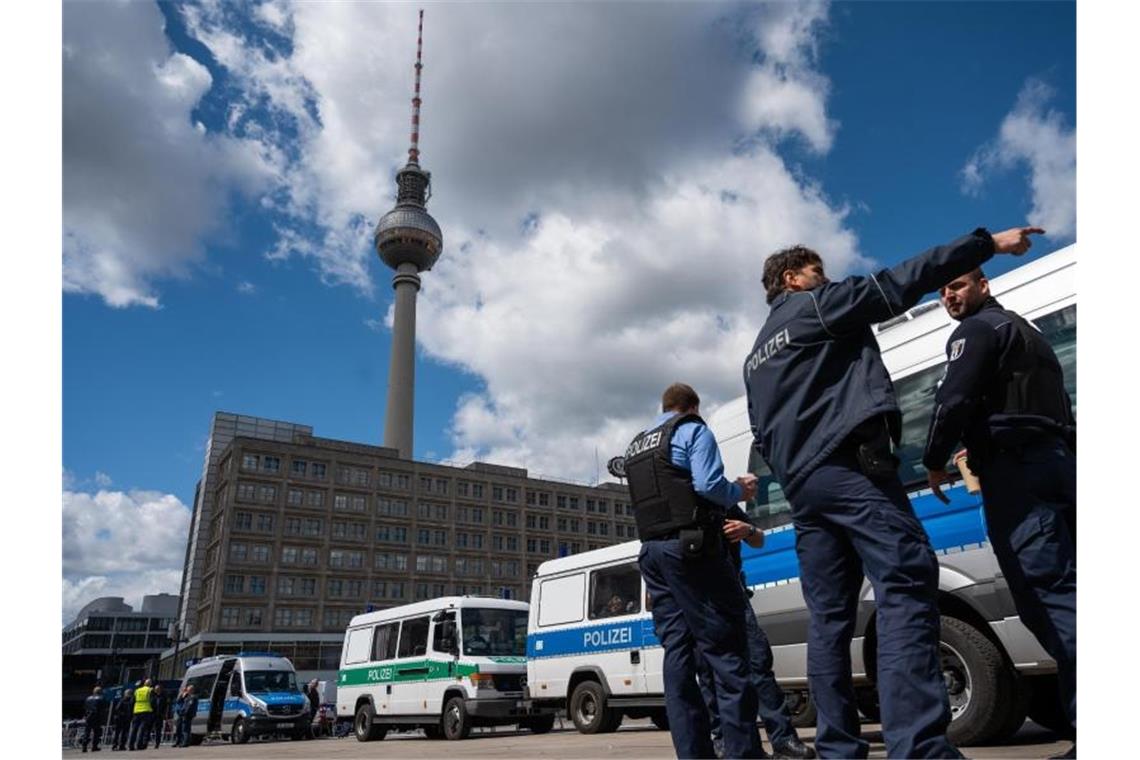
point(303, 534)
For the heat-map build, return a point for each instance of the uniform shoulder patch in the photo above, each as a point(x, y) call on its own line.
point(956, 348)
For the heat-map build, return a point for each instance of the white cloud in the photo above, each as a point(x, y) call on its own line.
point(142, 186)
point(602, 238)
point(119, 543)
point(102, 479)
point(246, 288)
point(1039, 138)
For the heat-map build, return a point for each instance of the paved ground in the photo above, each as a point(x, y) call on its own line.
point(636, 739)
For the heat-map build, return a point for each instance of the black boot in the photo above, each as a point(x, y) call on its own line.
point(793, 748)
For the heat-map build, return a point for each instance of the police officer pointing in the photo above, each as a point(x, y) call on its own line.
point(679, 496)
point(823, 416)
point(1003, 396)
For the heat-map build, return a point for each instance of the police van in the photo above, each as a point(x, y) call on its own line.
point(443, 665)
point(993, 667)
point(591, 649)
point(244, 695)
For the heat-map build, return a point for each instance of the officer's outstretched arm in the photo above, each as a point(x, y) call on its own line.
point(856, 302)
point(971, 357)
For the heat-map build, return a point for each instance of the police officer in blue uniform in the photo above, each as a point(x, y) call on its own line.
point(1003, 396)
point(824, 416)
point(773, 706)
point(679, 496)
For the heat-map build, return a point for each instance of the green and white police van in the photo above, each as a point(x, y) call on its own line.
point(444, 665)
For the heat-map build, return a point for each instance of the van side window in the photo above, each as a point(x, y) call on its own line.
point(560, 599)
point(615, 591)
point(414, 637)
point(384, 641)
point(356, 646)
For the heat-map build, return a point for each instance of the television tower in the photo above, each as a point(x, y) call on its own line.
point(408, 240)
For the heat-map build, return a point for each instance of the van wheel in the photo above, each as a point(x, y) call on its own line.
point(589, 712)
point(240, 733)
point(660, 719)
point(543, 724)
point(365, 725)
point(801, 707)
point(433, 731)
point(978, 683)
point(456, 724)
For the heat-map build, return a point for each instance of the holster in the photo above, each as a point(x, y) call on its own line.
point(874, 449)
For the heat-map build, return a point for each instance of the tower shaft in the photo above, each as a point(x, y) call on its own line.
point(402, 366)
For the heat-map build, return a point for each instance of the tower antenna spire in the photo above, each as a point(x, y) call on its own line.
point(414, 150)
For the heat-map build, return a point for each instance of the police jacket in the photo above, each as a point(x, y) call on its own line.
point(1003, 387)
point(815, 372)
point(124, 708)
point(190, 707)
point(94, 709)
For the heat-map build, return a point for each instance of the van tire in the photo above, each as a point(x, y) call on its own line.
point(979, 683)
point(588, 709)
point(239, 734)
point(543, 724)
point(455, 722)
point(365, 726)
point(660, 719)
point(433, 732)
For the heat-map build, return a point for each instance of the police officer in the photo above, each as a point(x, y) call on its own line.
point(94, 713)
point(1003, 396)
point(823, 416)
point(124, 709)
point(679, 495)
point(773, 707)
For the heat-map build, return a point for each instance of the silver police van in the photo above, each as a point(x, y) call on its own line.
point(244, 695)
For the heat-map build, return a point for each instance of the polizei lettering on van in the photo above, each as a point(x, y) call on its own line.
point(607, 638)
point(643, 444)
point(768, 349)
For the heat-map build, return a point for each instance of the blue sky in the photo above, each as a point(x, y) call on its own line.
point(221, 176)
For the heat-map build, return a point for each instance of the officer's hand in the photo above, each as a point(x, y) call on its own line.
point(748, 484)
point(1015, 240)
point(936, 478)
point(736, 530)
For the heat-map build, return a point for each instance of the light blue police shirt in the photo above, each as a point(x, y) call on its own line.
point(693, 448)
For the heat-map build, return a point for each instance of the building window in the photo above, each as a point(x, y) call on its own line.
point(299, 468)
point(267, 494)
point(257, 585)
point(544, 545)
point(387, 561)
point(532, 545)
point(430, 563)
point(271, 464)
point(230, 616)
point(315, 498)
point(544, 522)
point(603, 529)
point(574, 502)
point(349, 531)
point(391, 507)
point(238, 552)
point(260, 552)
point(250, 462)
point(265, 523)
point(317, 470)
point(603, 507)
point(512, 495)
point(562, 523)
point(235, 584)
point(243, 521)
point(379, 589)
point(575, 525)
point(396, 590)
point(246, 491)
point(289, 555)
point(336, 587)
point(531, 498)
point(392, 534)
point(544, 500)
point(561, 498)
point(296, 497)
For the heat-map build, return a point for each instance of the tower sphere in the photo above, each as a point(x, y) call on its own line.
point(408, 235)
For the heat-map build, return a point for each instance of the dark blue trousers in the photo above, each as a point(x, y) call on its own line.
point(846, 526)
point(773, 706)
point(140, 730)
point(698, 614)
point(1031, 514)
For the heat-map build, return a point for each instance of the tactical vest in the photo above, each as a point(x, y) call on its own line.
point(1030, 380)
point(660, 492)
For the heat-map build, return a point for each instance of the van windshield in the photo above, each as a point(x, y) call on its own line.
point(270, 680)
point(489, 632)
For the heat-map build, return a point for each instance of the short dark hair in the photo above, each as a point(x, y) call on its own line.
point(679, 396)
point(796, 257)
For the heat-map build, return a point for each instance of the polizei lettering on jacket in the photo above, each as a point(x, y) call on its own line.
point(643, 443)
point(768, 349)
point(607, 638)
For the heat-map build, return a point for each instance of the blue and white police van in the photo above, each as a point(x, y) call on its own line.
point(591, 648)
point(246, 694)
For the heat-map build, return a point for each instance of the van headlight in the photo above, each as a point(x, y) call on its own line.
point(482, 680)
point(259, 709)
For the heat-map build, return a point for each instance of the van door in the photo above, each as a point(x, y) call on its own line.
point(443, 663)
point(613, 639)
point(410, 667)
point(236, 705)
point(203, 690)
point(218, 696)
point(382, 675)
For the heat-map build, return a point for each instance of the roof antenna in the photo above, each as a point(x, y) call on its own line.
point(414, 151)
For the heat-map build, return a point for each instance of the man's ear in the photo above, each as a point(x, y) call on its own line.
point(984, 285)
point(786, 277)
